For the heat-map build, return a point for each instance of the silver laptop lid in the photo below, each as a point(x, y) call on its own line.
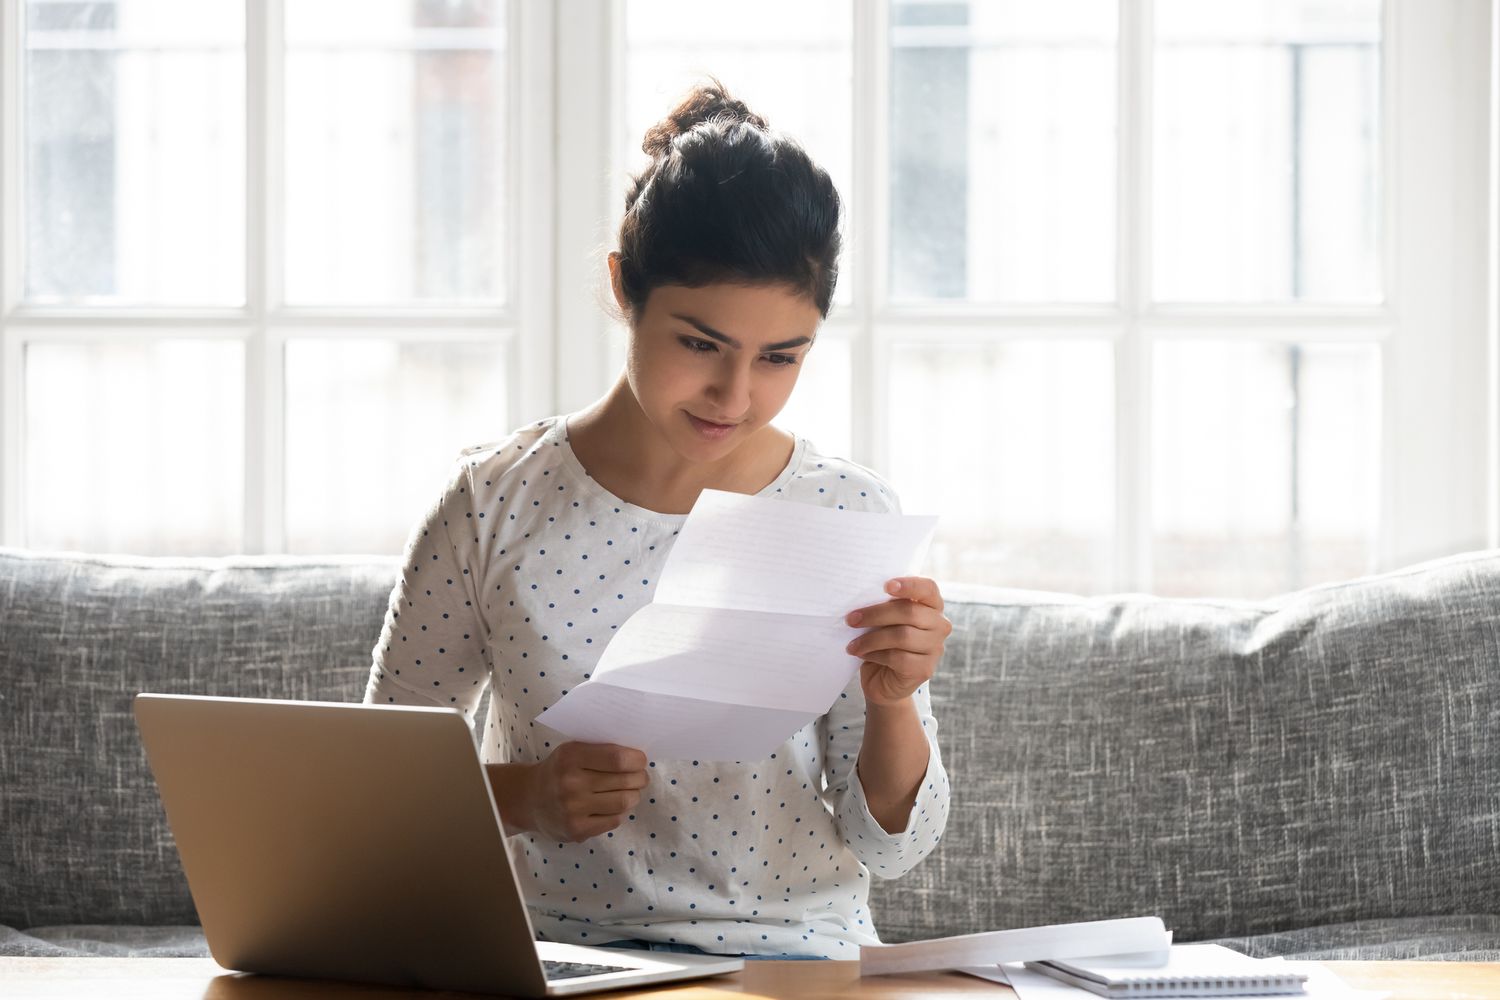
point(303, 862)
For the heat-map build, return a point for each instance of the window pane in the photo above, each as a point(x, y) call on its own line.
point(1003, 150)
point(135, 447)
point(1267, 151)
point(1266, 466)
point(134, 173)
point(1012, 444)
point(820, 405)
point(373, 426)
point(800, 81)
point(395, 151)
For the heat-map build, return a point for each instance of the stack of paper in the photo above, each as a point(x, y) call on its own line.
point(1112, 958)
point(1127, 976)
point(1191, 970)
point(1145, 936)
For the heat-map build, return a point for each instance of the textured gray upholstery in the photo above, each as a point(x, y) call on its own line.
point(1313, 775)
point(1429, 939)
point(1238, 768)
point(104, 941)
point(85, 839)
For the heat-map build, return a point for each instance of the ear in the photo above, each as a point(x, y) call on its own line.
point(617, 282)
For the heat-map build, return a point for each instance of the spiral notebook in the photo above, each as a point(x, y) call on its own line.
point(1192, 970)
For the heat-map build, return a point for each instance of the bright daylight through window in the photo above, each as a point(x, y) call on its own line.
point(1116, 297)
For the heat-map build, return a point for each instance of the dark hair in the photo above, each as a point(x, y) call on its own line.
point(725, 199)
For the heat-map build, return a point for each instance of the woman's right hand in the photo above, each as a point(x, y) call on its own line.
point(583, 789)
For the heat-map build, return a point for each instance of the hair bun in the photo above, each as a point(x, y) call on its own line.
point(707, 102)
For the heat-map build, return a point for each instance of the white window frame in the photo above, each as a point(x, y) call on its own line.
point(1438, 422)
point(266, 322)
point(1430, 330)
point(1493, 421)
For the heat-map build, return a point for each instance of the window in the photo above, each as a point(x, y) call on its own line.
point(1127, 306)
point(133, 153)
point(282, 237)
point(1183, 295)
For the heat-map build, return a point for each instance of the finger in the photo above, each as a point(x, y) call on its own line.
point(613, 803)
point(616, 781)
point(912, 667)
point(897, 612)
point(610, 758)
point(916, 640)
point(921, 589)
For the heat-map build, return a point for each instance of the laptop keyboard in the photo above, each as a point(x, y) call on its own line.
point(571, 970)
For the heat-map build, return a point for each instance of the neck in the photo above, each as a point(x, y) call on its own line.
point(627, 455)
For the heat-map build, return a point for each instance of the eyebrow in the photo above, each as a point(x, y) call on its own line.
point(709, 331)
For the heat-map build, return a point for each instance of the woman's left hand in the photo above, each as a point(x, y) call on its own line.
point(903, 640)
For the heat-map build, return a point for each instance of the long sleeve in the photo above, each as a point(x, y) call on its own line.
point(887, 855)
point(432, 648)
point(842, 729)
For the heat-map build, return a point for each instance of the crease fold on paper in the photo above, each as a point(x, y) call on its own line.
point(744, 641)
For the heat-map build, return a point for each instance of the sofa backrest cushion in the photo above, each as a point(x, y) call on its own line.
point(1235, 767)
point(83, 838)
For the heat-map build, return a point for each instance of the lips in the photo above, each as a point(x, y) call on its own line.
point(711, 429)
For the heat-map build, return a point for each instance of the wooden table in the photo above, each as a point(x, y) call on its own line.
point(202, 979)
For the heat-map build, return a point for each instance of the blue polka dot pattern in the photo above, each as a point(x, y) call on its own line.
point(516, 579)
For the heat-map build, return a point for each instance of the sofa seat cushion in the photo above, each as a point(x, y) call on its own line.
point(103, 941)
point(1474, 938)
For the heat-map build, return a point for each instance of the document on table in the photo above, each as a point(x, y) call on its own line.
point(1144, 936)
point(743, 643)
point(1322, 983)
point(1191, 970)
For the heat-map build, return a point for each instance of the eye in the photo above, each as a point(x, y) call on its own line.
point(698, 346)
point(781, 360)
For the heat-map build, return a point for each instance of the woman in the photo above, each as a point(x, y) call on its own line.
point(543, 544)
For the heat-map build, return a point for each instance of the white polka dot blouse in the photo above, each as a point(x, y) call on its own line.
point(515, 580)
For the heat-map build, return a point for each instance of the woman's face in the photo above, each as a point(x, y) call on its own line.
point(711, 366)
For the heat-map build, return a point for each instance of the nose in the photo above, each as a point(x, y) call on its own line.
point(730, 389)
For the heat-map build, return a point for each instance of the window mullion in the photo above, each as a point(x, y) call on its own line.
point(1492, 531)
point(11, 156)
point(869, 230)
point(532, 201)
point(1132, 351)
point(1434, 362)
point(11, 386)
point(10, 274)
point(264, 432)
point(588, 54)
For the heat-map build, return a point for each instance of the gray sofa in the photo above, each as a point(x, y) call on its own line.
point(1315, 776)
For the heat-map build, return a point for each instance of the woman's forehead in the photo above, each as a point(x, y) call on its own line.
point(739, 311)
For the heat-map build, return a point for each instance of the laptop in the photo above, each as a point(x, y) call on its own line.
point(360, 842)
